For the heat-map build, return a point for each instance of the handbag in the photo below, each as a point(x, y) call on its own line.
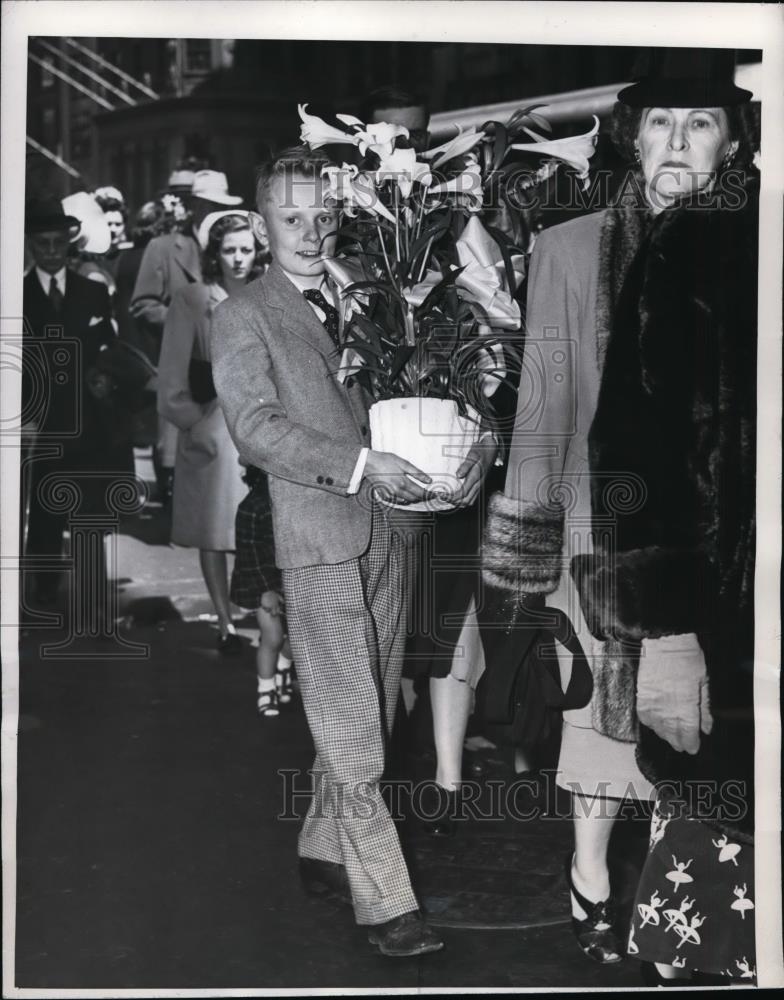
point(519, 698)
point(200, 381)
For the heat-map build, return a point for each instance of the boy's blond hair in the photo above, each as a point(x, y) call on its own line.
point(296, 160)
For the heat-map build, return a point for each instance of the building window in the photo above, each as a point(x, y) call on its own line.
point(198, 55)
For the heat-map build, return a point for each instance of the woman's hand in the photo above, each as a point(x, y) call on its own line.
point(672, 691)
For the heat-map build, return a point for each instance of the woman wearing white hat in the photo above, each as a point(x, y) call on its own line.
point(208, 484)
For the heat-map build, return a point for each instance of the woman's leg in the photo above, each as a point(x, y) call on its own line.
point(271, 636)
point(451, 703)
point(452, 698)
point(593, 825)
point(271, 640)
point(214, 569)
point(589, 880)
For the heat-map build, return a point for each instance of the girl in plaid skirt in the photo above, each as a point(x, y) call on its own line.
point(256, 585)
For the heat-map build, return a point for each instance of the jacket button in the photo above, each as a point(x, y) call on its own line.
point(319, 479)
point(329, 481)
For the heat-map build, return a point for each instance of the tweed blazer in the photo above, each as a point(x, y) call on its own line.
point(274, 367)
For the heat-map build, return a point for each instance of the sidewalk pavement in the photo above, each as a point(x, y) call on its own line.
point(154, 849)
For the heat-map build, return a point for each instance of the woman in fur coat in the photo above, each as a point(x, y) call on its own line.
point(594, 458)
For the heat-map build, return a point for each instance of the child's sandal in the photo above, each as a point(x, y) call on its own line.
point(283, 686)
point(267, 704)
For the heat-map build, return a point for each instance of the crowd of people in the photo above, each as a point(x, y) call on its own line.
point(649, 428)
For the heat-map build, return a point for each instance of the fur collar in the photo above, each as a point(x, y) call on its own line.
point(624, 226)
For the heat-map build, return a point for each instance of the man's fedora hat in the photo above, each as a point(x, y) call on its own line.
point(46, 214)
point(211, 185)
point(180, 182)
point(684, 78)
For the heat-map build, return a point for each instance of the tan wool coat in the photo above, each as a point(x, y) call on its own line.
point(208, 483)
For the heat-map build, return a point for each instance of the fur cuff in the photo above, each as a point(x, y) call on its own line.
point(614, 702)
point(521, 550)
point(643, 593)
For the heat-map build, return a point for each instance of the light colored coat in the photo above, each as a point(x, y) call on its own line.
point(170, 262)
point(274, 368)
point(556, 405)
point(208, 483)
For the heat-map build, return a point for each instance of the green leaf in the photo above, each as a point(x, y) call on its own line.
point(541, 121)
point(399, 359)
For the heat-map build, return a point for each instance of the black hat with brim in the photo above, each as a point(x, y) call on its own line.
point(43, 215)
point(685, 78)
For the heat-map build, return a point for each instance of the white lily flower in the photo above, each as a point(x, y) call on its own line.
point(350, 120)
point(402, 166)
point(467, 183)
point(379, 138)
point(354, 190)
point(575, 150)
point(462, 143)
point(316, 132)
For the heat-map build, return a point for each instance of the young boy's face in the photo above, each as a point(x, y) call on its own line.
point(301, 224)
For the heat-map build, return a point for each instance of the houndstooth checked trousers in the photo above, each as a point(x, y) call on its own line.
point(347, 630)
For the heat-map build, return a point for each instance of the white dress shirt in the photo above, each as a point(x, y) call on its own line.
point(359, 469)
point(46, 280)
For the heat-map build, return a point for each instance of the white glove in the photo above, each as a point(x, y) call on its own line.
point(672, 691)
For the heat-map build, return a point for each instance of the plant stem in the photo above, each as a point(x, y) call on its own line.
point(384, 251)
point(397, 222)
point(425, 257)
point(420, 217)
point(409, 324)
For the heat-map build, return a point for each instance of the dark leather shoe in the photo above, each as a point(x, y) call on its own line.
point(229, 644)
point(447, 812)
point(325, 879)
point(405, 936)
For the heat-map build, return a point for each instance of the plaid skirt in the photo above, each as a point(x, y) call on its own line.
point(254, 571)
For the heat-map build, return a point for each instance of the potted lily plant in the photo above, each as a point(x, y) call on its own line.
point(427, 291)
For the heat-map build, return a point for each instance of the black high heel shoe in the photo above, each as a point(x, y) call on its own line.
point(602, 946)
point(447, 811)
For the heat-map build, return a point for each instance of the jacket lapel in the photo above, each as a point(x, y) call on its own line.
point(296, 316)
point(186, 257)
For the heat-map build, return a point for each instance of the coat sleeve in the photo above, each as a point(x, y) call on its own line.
point(150, 299)
point(175, 401)
point(244, 377)
point(677, 409)
point(107, 335)
point(524, 532)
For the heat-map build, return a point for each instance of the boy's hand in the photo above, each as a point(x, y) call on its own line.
point(473, 470)
point(388, 475)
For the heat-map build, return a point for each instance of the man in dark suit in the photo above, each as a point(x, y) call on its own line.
point(68, 396)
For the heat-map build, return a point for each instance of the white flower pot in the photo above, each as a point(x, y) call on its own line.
point(429, 433)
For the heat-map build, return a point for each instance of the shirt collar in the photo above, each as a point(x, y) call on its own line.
point(298, 283)
point(46, 279)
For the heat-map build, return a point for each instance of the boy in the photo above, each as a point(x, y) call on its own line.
point(274, 365)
